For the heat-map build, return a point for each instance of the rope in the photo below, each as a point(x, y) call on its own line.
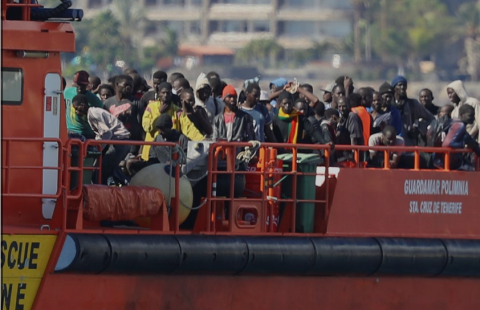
point(249, 153)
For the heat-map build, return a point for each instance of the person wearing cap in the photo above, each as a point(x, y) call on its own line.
point(232, 124)
point(328, 95)
point(76, 124)
point(261, 117)
point(106, 127)
point(163, 105)
point(413, 113)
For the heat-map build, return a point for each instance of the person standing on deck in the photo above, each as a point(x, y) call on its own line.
point(125, 107)
point(77, 125)
point(349, 130)
point(328, 96)
point(163, 105)
point(305, 91)
point(158, 78)
point(426, 99)
point(459, 96)
point(367, 97)
point(106, 127)
point(394, 116)
point(261, 117)
point(355, 103)
point(194, 123)
point(415, 117)
point(232, 124)
point(338, 92)
point(179, 86)
point(289, 124)
point(106, 91)
point(94, 83)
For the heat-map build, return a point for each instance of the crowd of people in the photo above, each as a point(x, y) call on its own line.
point(174, 110)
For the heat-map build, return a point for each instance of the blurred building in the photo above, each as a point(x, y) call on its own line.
point(233, 23)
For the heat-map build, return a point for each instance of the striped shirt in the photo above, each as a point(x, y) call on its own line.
point(106, 126)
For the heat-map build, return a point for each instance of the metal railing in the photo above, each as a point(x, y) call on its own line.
point(417, 151)
point(228, 150)
point(8, 167)
point(208, 213)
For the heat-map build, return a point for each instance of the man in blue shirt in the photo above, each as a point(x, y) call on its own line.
point(261, 117)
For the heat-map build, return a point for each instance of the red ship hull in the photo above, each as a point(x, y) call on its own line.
point(239, 293)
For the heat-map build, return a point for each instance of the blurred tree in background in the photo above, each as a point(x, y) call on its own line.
point(399, 33)
point(469, 16)
point(260, 53)
point(112, 40)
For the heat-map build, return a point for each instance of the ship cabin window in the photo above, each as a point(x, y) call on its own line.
point(12, 86)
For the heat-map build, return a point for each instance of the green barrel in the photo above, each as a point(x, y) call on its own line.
point(305, 188)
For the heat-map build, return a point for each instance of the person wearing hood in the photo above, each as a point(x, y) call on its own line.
point(203, 92)
point(163, 105)
point(459, 96)
point(415, 116)
point(233, 124)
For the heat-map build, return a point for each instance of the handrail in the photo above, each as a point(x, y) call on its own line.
point(410, 149)
point(175, 201)
point(229, 149)
point(218, 151)
point(7, 167)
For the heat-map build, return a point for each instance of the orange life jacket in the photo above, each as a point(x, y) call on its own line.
point(366, 122)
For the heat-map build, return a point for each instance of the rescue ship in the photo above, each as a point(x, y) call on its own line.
point(290, 234)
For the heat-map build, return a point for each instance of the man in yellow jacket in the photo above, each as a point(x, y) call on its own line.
point(163, 105)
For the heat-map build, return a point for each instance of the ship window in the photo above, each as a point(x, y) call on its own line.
point(12, 86)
